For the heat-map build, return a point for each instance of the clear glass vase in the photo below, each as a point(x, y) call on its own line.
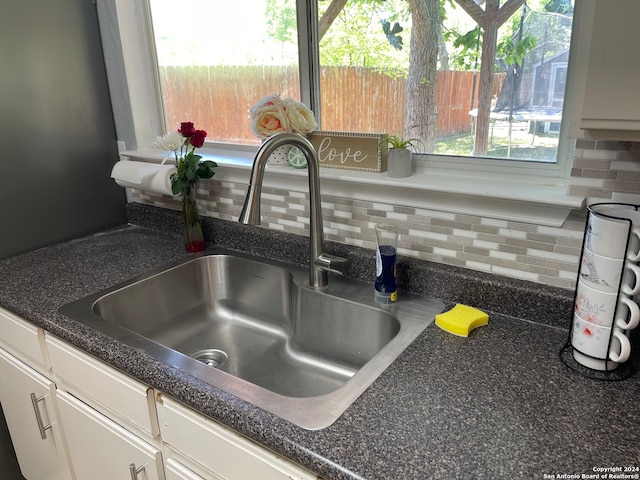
point(193, 237)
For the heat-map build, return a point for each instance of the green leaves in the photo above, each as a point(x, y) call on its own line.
point(514, 52)
point(392, 33)
point(563, 7)
point(176, 184)
point(205, 169)
point(189, 169)
point(472, 40)
point(468, 45)
point(395, 141)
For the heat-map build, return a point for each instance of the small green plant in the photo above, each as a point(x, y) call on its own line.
point(394, 141)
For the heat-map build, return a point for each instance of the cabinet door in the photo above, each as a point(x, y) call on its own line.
point(27, 400)
point(612, 97)
point(101, 449)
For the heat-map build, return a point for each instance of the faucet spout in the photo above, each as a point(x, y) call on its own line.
point(319, 263)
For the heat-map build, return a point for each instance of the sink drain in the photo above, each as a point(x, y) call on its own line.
point(211, 356)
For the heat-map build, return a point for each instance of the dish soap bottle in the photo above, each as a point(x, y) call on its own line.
point(387, 243)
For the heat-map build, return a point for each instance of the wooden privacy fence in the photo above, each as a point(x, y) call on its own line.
point(354, 99)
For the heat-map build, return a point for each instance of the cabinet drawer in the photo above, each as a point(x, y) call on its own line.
point(103, 385)
point(110, 450)
point(220, 450)
point(176, 471)
point(21, 338)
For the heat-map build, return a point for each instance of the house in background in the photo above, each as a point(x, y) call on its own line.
point(542, 91)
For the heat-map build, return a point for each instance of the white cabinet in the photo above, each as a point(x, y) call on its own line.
point(96, 383)
point(102, 424)
point(27, 399)
point(218, 450)
point(22, 339)
point(104, 415)
point(605, 93)
point(100, 449)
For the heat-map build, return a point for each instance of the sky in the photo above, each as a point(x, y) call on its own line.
point(216, 32)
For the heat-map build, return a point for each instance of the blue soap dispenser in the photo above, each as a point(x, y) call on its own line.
point(386, 288)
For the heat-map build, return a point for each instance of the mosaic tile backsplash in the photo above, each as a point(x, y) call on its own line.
point(537, 253)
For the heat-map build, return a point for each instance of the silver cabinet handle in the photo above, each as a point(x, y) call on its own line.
point(43, 428)
point(135, 471)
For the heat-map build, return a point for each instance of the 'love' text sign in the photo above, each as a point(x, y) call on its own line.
point(353, 151)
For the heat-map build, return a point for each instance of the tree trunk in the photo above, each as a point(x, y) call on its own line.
point(489, 42)
point(334, 9)
point(509, 94)
point(421, 82)
point(489, 20)
point(443, 55)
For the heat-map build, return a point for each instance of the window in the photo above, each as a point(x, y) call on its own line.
point(222, 59)
point(382, 69)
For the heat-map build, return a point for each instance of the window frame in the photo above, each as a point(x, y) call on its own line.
point(309, 61)
point(129, 50)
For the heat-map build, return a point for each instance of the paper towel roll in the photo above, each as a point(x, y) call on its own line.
point(150, 177)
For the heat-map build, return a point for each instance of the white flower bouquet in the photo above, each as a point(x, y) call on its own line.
point(273, 115)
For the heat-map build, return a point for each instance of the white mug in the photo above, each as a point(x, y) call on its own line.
point(604, 273)
point(608, 229)
point(593, 340)
point(598, 307)
point(627, 315)
point(594, 363)
point(620, 353)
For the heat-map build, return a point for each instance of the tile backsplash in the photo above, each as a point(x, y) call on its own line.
point(538, 253)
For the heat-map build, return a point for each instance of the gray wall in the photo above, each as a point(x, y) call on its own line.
point(57, 136)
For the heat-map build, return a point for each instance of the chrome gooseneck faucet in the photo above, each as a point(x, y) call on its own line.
point(320, 262)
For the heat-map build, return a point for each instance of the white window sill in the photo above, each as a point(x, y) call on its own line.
point(540, 201)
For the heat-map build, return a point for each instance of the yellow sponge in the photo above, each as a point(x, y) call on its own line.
point(461, 319)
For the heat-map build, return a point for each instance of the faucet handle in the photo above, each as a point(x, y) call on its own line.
point(332, 263)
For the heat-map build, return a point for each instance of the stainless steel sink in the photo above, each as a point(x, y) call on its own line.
point(256, 330)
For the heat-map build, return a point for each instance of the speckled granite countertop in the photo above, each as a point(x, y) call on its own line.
point(499, 404)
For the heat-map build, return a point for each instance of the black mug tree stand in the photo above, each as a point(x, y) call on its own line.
point(622, 370)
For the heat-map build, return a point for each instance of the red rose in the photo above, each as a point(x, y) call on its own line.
point(187, 129)
point(197, 139)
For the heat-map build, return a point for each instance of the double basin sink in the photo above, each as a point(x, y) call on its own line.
point(255, 329)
